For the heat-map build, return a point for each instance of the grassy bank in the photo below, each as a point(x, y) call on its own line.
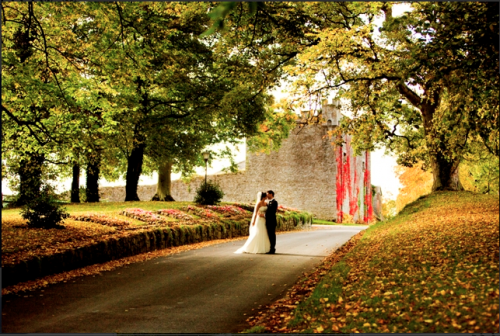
point(431, 269)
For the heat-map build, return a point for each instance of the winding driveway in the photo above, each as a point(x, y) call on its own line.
point(209, 290)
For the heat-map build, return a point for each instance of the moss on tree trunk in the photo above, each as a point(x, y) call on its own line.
point(444, 166)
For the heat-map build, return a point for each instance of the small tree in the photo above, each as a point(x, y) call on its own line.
point(209, 193)
point(43, 211)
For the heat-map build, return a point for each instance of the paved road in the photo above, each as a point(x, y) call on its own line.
point(208, 290)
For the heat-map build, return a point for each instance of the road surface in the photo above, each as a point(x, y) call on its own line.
point(209, 290)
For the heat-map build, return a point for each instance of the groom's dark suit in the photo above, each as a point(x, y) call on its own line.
point(271, 223)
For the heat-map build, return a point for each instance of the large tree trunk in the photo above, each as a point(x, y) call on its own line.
point(92, 190)
point(75, 184)
point(444, 170)
point(163, 187)
point(30, 176)
point(134, 170)
point(445, 174)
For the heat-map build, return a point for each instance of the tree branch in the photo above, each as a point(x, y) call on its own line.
point(390, 133)
point(410, 95)
point(24, 123)
point(46, 52)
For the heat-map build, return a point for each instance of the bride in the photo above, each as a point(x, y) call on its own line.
point(258, 241)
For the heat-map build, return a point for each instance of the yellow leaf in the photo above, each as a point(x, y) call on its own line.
point(319, 329)
point(428, 321)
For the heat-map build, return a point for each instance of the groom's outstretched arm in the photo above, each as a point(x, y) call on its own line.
point(275, 206)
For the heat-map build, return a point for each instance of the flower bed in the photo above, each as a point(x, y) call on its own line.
point(227, 210)
point(101, 219)
point(246, 206)
point(282, 208)
point(143, 215)
point(202, 212)
point(175, 214)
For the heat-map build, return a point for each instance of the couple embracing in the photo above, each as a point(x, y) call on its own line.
point(262, 237)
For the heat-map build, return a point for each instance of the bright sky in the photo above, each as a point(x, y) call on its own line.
point(383, 174)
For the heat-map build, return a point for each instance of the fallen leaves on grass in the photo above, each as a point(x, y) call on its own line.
point(432, 269)
point(101, 219)
point(275, 317)
point(20, 242)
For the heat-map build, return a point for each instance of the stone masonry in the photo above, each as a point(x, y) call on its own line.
point(307, 173)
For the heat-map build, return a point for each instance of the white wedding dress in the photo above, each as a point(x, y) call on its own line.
point(258, 241)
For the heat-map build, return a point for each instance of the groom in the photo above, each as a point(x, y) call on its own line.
point(272, 207)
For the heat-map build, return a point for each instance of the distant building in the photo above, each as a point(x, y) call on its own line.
point(308, 172)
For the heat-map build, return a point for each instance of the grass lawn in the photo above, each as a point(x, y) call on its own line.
point(431, 269)
point(107, 208)
point(20, 242)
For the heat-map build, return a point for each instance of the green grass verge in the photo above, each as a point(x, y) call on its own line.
point(431, 269)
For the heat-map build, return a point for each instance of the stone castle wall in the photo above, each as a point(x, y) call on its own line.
point(301, 173)
point(306, 173)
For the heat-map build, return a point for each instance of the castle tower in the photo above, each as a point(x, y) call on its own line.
point(331, 114)
point(308, 172)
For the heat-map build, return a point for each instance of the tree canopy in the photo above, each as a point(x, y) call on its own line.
point(107, 84)
point(425, 85)
point(122, 88)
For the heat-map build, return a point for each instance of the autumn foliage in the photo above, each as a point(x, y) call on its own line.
point(431, 269)
point(415, 183)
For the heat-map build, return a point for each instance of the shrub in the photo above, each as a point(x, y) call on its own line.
point(209, 193)
point(83, 194)
point(44, 211)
